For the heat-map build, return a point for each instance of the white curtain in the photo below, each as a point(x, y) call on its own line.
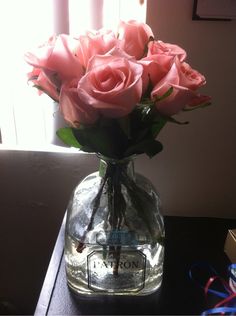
point(27, 119)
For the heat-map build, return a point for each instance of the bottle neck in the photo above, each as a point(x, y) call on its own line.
point(109, 167)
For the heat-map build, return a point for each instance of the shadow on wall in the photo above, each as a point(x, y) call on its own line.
point(35, 189)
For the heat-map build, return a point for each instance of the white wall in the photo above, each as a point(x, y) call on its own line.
point(196, 172)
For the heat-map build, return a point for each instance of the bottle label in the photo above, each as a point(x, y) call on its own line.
point(120, 238)
point(113, 269)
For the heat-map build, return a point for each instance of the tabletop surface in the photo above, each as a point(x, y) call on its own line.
point(189, 240)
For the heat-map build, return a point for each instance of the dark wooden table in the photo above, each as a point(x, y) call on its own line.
point(188, 240)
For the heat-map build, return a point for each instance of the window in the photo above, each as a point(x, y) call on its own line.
point(25, 118)
point(21, 110)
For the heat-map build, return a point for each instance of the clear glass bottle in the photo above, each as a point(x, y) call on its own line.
point(114, 233)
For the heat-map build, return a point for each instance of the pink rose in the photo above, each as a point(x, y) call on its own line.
point(155, 67)
point(185, 81)
point(134, 37)
point(57, 60)
point(40, 80)
point(38, 57)
point(159, 60)
point(73, 109)
point(161, 48)
point(112, 85)
point(97, 43)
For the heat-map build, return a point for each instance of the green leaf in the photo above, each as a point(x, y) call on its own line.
point(124, 123)
point(150, 146)
point(153, 148)
point(157, 125)
point(67, 136)
point(142, 134)
point(96, 140)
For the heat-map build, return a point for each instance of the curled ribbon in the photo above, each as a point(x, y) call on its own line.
point(227, 304)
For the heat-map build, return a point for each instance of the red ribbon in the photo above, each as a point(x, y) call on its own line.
point(227, 305)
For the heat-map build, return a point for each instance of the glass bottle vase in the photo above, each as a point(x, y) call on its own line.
point(114, 233)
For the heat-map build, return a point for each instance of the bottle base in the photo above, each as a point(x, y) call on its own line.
point(87, 292)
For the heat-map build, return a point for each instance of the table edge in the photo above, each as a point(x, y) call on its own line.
point(51, 275)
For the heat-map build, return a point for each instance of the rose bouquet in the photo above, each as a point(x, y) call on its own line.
point(116, 91)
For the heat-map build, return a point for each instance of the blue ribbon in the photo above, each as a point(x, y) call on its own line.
point(227, 293)
point(220, 310)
